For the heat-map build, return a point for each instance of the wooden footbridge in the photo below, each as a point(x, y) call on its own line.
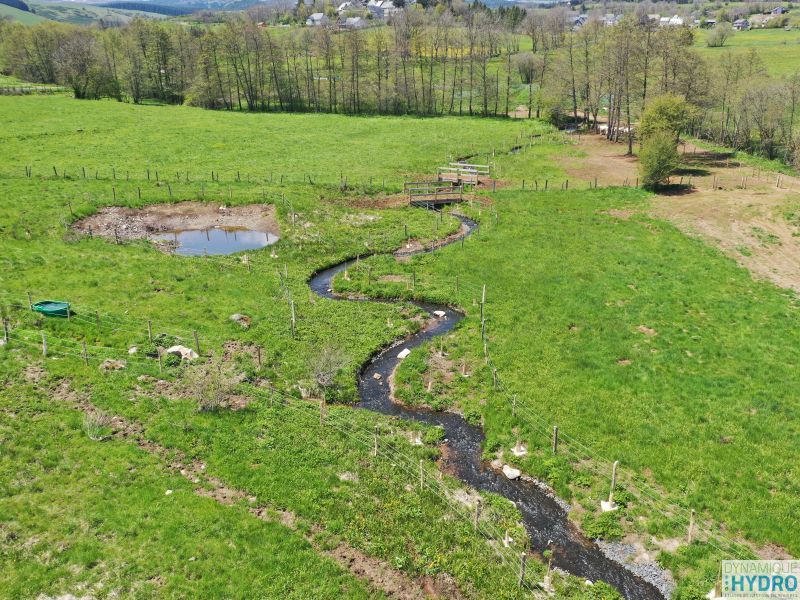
point(462, 173)
point(433, 193)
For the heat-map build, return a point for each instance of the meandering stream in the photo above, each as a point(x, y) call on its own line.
point(545, 520)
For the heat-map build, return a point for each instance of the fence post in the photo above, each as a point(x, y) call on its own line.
point(44, 345)
point(5, 331)
point(555, 439)
point(293, 318)
point(522, 560)
point(421, 475)
point(150, 331)
point(196, 340)
point(30, 301)
point(690, 535)
point(85, 355)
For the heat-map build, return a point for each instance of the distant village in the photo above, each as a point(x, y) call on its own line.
point(358, 14)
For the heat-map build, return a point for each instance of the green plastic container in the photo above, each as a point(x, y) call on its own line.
point(52, 308)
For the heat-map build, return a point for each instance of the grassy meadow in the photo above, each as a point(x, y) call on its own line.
point(641, 344)
point(779, 49)
point(273, 450)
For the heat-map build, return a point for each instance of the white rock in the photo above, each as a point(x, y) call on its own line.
point(511, 472)
point(111, 364)
point(403, 353)
point(607, 506)
point(519, 450)
point(133, 350)
point(168, 493)
point(182, 351)
point(439, 313)
point(376, 376)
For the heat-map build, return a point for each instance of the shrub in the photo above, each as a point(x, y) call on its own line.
point(211, 386)
point(96, 424)
point(658, 159)
point(719, 35)
point(605, 526)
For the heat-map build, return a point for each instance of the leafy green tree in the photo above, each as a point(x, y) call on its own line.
point(665, 114)
point(658, 158)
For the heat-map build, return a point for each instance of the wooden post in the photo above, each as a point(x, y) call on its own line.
point(30, 301)
point(160, 361)
point(545, 185)
point(114, 192)
point(555, 439)
point(291, 303)
point(421, 475)
point(494, 378)
point(690, 536)
point(258, 355)
point(196, 341)
point(150, 331)
point(523, 184)
point(514, 405)
point(139, 193)
point(375, 444)
point(85, 355)
point(613, 482)
point(457, 281)
point(522, 560)
point(321, 413)
point(5, 331)
point(44, 345)
point(476, 518)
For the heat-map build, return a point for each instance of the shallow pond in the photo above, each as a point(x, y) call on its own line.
point(218, 240)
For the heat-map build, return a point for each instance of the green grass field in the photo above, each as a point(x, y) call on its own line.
point(641, 344)
point(779, 50)
point(24, 17)
point(274, 452)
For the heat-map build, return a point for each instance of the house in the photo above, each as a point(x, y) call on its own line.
point(779, 10)
point(382, 9)
point(576, 22)
point(610, 19)
point(317, 20)
point(354, 23)
point(741, 25)
point(709, 23)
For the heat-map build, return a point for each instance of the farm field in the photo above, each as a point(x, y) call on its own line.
point(15, 14)
point(642, 344)
point(320, 492)
point(779, 50)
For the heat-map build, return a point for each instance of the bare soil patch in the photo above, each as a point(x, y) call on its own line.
point(737, 208)
point(604, 161)
point(119, 222)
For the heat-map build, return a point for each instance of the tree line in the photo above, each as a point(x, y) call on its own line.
point(461, 59)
